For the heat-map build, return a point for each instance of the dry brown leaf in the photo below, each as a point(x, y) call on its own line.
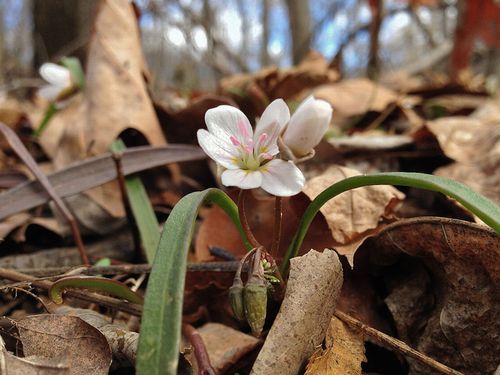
point(68, 339)
point(12, 365)
point(123, 343)
point(345, 350)
point(446, 306)
point(466, 139)
point(260, 215)
point(354, 214)
point(115, 99)
point(354, 97)
point(474, 143)
point(225, 345)
point(313, 288)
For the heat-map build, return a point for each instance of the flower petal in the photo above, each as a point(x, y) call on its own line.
point(56, 75)
point(282, 178)
point(50, 92)
point(276, 112)
point(242, 178)
point(307, 125)
point(225, 122)
point(269, 143)
point(216, 150)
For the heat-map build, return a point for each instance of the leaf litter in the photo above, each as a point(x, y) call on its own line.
point(431, 283)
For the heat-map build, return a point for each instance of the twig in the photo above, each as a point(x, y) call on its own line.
point(19, 148)
point(200, 351)
point(53, 272)
point(243, 219)
point(117, 158)
point(396, 344)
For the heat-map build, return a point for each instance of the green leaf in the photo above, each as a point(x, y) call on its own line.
point(76, 70)
point(482, 207)
point(159, 341)
point(95, 283)
point(142, 209)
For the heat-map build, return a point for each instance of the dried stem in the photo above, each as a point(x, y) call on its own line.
point(120, 176)
point(243, 218)
point(19, 148)
point(56, 272)
point(200, 351)
point(278, 216)
point(396, 344)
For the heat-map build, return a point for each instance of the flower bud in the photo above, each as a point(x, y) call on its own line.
point(307, 126)
point(236, 299)
point(255, 302)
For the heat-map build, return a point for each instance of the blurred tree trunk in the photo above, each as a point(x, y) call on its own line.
point(61, 28)
point(264, 53)
point(300, 24)
point(245, 30)
point(376, 7)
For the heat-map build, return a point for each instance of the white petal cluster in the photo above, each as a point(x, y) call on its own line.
point(58, 78)
point(249, 157)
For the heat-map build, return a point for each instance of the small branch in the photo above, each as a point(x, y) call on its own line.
point(19, 148)
point(200, 351)
point(243, 219)
point(55, 272)
point(117, 158)
point(396, 344)
point(278, 216)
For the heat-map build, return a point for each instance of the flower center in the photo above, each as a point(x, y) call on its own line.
point(251, 155)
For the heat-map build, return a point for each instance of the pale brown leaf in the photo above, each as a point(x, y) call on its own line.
point(345, 350)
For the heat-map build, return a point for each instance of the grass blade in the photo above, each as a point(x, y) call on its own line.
point(160, 336)
point(142, 209)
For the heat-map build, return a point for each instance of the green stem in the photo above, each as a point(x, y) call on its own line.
point(49, 112)
point(482, 207)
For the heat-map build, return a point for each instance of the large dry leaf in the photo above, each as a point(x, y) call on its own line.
point(354, 97)
point(448, 305)
point(12, 365)
point(68, 339)
point(474, 143)
point(345, 350)
point(115, 99)
point(313, 288)
point(355, 213)
point(466, 139)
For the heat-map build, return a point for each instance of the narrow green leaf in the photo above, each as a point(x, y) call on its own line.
point(159, 341)
point(95, 283)
point(482, 207)
point(142, 209)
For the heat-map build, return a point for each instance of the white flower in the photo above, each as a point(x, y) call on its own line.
point(248, 156)
point(59, 79)
point(307, 126)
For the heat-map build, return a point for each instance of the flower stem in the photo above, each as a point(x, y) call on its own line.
point(278, 216)
point(243, 219)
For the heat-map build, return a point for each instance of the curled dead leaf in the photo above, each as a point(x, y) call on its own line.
point(447, 304)
point(68, 339)
point(313, 288)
